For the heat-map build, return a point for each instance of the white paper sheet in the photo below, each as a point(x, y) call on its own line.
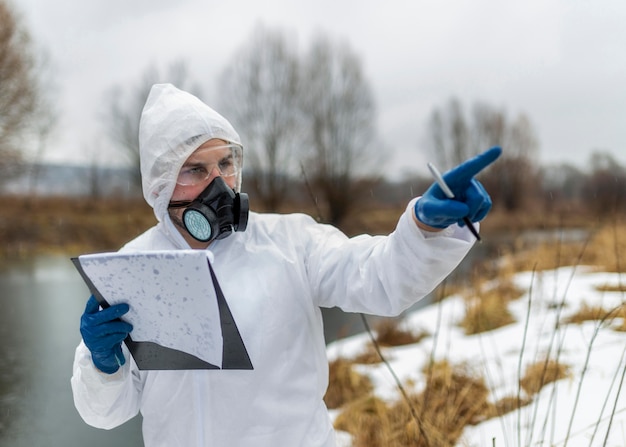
point(171, 297)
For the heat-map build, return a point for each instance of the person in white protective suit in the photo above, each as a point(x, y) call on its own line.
point(275, 277)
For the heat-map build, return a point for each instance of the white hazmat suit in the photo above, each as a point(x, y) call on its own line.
point(275, 277)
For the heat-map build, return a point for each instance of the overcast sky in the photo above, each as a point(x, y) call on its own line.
point(562, 63)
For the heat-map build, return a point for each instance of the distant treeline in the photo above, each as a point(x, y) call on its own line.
point(514, 187)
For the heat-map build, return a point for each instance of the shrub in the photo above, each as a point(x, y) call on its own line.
point(345, 384)
point(452, 398)
point(538, 375)
point(368, 421)
point(389, 333)
point(485, 313)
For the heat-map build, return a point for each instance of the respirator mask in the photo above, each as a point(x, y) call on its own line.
point(215, 213)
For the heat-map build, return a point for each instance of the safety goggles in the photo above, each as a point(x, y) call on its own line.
point(227, 159)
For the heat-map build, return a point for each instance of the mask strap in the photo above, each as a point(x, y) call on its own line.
point(179, 204)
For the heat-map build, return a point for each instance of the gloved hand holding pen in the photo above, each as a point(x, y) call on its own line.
point(103, 333)
point(465, 202)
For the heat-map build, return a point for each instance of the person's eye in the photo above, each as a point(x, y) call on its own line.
point(196, 172)
point(226, 165)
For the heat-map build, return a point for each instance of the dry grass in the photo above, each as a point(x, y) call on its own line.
point(599, 313)
point(538, 375)
point(486, 309)
point(508, 404)
point(484, 314)
point(546, 256)
point(390, 333)
point(452, 398)
point(30, 226)
point(603, 249)
point(619, 288)
point(369, 356)
point(68, 224)
point(515, 223)
point(587, 313)
point(486, 305)
point(607, 247)
point(369, 421)
point(345, 385)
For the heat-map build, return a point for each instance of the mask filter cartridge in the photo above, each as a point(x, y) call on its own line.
point(216, 212)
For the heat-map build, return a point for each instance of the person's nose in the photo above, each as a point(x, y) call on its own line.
point(214, 173)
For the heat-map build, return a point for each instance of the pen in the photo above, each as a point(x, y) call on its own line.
point(450, 195)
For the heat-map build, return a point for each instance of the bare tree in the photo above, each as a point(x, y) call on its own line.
point(18, 88)
point(563, 181)
point(604, 191)
point(455, 138)
point(449, 134)
point(125, 104)
point(515, 179)
point(489, 127)
point(259, 94)
point(339, 109)
point(46, 118)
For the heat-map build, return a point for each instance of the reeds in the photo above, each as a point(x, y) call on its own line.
point(450, 396)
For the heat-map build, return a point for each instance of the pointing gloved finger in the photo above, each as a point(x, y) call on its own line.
point(458, 178)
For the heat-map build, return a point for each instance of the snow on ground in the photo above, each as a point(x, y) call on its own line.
point(575, 411)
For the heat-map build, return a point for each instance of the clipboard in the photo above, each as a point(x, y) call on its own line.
point(150, 355)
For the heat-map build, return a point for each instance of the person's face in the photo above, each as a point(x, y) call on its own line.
point(200, 169)
point(206, 162)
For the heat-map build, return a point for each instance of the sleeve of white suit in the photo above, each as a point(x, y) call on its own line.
point(105, 400)
point(383, 275)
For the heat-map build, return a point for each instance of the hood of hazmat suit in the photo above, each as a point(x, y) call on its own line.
point(173, 125)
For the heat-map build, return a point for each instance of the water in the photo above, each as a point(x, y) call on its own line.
point(40, 307)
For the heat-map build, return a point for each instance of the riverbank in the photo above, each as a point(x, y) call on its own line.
point(31, 227)
point(512, 349)
point(549, 375)
point(69, 225)
point(45, 300)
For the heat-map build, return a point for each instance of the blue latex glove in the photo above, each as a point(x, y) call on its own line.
point(470, 200)
point(103, 333)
